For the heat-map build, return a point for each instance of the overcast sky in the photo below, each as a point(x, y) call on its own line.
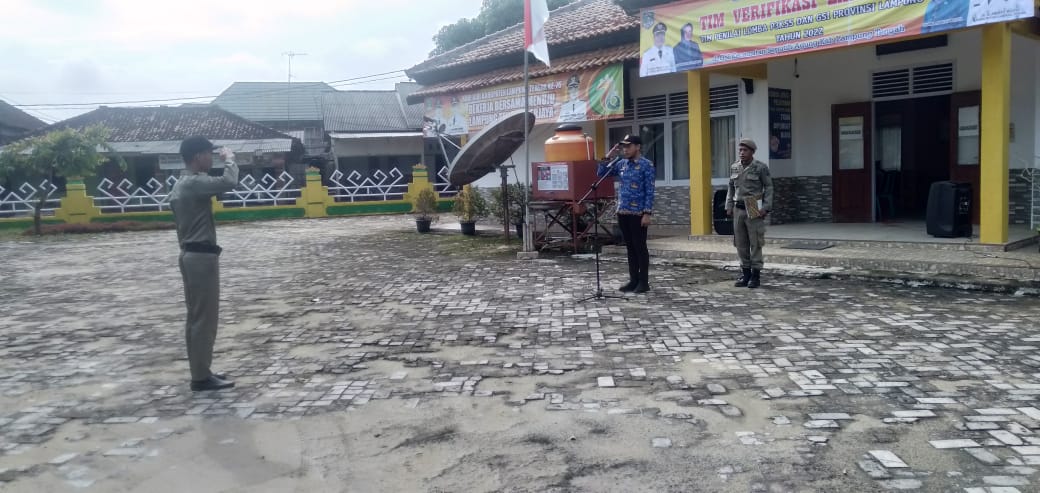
point(83, 51)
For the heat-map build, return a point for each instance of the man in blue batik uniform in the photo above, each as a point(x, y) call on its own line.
point(636, 177)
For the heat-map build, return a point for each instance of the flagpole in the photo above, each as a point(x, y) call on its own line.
point(528, 223)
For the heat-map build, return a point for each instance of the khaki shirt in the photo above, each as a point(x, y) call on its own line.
point(192, 204)
point(750, 181)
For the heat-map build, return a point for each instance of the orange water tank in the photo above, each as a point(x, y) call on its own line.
point(570, 144)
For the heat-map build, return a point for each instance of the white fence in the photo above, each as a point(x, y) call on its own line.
point(442, 185)
point(126, 197)
point(355, 187)
point(22, 201)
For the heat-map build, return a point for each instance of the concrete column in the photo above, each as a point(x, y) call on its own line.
point(697, 86)
point(994, 125)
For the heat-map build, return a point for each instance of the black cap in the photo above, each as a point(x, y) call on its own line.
point(194, 145)
point(632, 139)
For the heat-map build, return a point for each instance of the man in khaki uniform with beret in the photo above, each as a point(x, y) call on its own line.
point(749, 200)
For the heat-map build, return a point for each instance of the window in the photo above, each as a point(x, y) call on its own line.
point(723, 145)
point(681, 150)
point(653, 146)
point(662, 123)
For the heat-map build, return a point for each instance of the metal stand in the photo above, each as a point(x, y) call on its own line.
point(594, 189)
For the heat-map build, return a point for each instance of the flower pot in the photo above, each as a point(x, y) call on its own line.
point(423, 225)
point(469, 229)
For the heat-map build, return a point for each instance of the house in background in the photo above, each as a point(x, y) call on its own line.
point(15, 123)
point(374, 133)
point(149, 140)
point(295, 109)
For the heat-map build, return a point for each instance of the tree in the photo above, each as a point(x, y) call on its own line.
point(66, 153)
point(494, 16)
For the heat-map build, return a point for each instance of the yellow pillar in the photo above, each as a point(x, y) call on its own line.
point(697, 86)
point(994, 127)
point(77, 207)
point(314, 197)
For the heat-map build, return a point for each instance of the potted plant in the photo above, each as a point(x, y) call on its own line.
point(425, 210)
point(469, 206)
point(517, 198)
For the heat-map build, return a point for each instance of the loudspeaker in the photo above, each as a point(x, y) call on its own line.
point(949, 210)
point(749, 86)
point(723, 224)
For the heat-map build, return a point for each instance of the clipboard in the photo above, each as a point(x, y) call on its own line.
point(753, 206)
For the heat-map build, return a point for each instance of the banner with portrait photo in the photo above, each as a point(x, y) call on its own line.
point(687, 36)
point(587, 95)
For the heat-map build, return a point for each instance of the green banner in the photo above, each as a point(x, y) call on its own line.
point(579, 96)
point(691, 35)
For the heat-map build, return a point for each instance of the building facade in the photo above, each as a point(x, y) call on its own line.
point(959, 105)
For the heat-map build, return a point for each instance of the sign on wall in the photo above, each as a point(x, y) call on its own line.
point(690, 35)
point(580, 96)
point(779, 123)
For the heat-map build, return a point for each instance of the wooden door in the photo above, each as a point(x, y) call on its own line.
point(852, 163)
point(965, 144)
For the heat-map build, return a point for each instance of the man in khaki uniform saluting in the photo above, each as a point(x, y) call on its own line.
point(192, 203)
point(751, 194)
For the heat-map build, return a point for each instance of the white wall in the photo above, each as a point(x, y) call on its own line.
point(395, 146)
point(1025, 101)
point(844, 76)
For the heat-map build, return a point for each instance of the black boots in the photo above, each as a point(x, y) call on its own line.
point(212, 383)
point(755, 280)
point(745, 278)
point(642, 285)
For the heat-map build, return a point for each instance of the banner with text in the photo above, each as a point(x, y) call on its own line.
point(567, 97)
point(687, 36)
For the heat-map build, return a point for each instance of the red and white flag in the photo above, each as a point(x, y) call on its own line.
point(536, 13)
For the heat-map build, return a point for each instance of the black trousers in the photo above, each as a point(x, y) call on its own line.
point(635, 239)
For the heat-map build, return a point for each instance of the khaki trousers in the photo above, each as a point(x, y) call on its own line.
point(201, 274)
point(748, 236)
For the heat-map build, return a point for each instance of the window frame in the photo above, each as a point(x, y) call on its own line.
point(632, 126)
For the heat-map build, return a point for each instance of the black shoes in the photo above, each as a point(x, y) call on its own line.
point(755, 280)
point(642, 287)
point(745, 278)
point(628, 288)
point(211, 383)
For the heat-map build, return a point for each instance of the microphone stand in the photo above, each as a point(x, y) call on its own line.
point(594, 189)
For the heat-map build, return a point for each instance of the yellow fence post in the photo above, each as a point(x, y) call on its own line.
point(77, 207)
point(420, 180)
point(314, 197)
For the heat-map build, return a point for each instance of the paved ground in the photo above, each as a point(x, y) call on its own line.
point(370, 358)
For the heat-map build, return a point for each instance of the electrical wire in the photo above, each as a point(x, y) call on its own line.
point(336, 83)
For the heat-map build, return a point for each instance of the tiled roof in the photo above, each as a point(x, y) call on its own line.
point(581, 20)
point(371, 111)
point(164, 123)
point(16, 118)
point(274, 101)
point(580, 61)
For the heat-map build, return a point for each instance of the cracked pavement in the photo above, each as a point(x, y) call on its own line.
point(370, 358)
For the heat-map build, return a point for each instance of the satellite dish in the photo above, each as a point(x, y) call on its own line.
point(490, 148)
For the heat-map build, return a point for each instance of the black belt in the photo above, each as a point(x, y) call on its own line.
point(740, 205)
point(195, 247)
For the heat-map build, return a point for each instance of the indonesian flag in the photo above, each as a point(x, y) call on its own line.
point(536, 13)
